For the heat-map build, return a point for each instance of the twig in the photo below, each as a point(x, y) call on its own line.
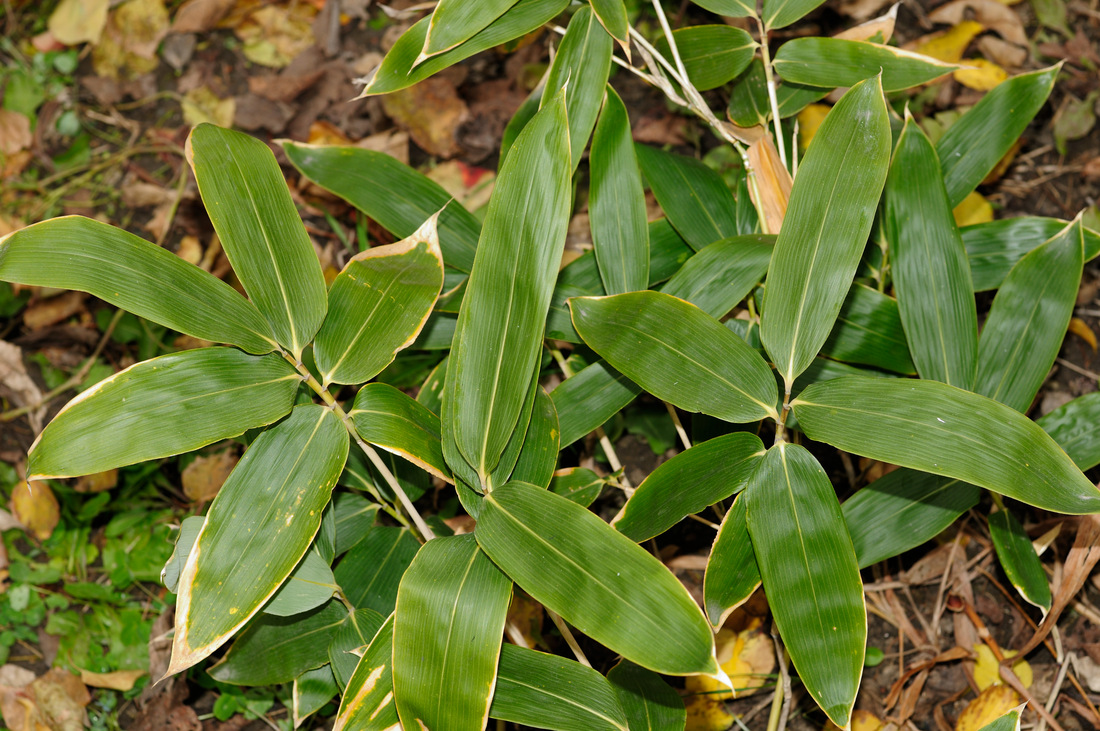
point(567, 635)
point(679, 426)
point(769, 79)
point(1078, 369)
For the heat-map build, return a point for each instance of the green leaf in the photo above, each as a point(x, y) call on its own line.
point(447, 632)
point(387, 417)
point(616, 202)
point(832, 206)
point(367, 704)
point(749, 105)
point(249, 204)
point(400, 69)
point(578, 484)
point(971, 147)
point(311, 585)
point(371, 572)
point(519, 120)
point(931, 273)
point(868, 331)
point(732, 575)
point(500, 327)
point(650, 704)
point(546, 691)
point(1008, 722)
point(378, 305)
point(688, 483)
point(1027, 322)
point(539, 455)
point(454, 22)
point(732, 8)
point(354, 516)
point(391, 193)
point(589, 398)
point(596, 578)
point(612, 14)
point(354, 634)
point(830, 62)
point(1019, 560)
point(712, 54)
point(810, 575)
point(217, 392)
point(1073, 426)
point(933, 427)
point(723, 273)
point(242, 554)
point(312, 690)
point(514, 446)
point(279, 649)
point(781, 13)
point(73, 252)
point(699, 365)
point(694, 197)
point(580, 68)
point(994, 248)
point(189, 531)
point(903, 509)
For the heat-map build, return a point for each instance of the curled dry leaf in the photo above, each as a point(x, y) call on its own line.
point(35, 507)
point(1081, 329)
point(204, 477)
point(118, 680)
point(44, 313)
point(773, 182)
point(989, 13)
point(876, 30)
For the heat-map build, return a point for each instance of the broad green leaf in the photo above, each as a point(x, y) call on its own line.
point(454, 22)
point(994, 248)
point(698, 365)
point(596, 578)
point(971, 147)
point(712, 54)
point(749, 105)
point(616, 202)
point(649, 703)
point(547, 691)
point(830, 62)
point(519, 120)
point(667, 250)
point(189, 531)
point(371, 572)
point(933, 427)
point(312, 690)
point(578, 484)
point(723, 273)
point(243, 555)
point(1073, 426)
point(377, 306)
point(538, 456)
point(325, 542)
point(868, 331)
point(823, 369)
point(73, 252)
point(514, 446)
point(400, 69)
point(217, 392)
point(832, 206)
point(902, 510)
point(367, 704)
point(387, 417)
point(447, 632)
point(931, 274)
point(612, 14)
point(391, 193)
point(1027, 322)
point(500, 327)
point(311, 585)
point(430, 395)
point(1019, 560)
point(1008, 722)
point(354, 634)
point(279, 649)
point(580, 67)
point(694, 197)
point(732, 8)
point(590, 398)
point(688, 483)
point(810, 575)
point(249, 204)
point(781, 13)
point(354, 517)
point(732, 575)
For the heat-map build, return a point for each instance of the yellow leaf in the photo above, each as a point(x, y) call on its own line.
point(202, 105)
point(861, 721)
point(128, 46)
point(1003, 164)
point(274, 36)
point(707, 713)
point(974, 208)
point(118, 680)
point(98, 482)
point(949, 45)
point(983, 75)
point(34, 505)
point(993, 703)
point(987, 671)
point(809, 119)
point(204, 477)
point(78, 21)
point(747, 657)
point(1080, 328)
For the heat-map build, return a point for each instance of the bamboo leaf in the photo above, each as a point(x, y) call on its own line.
point(243, 554)
point(931, 274)
point(519, 120)
point(596, 578)
point(589, 398)
point(73, 252)
point(354, 516)
point(578, 484)
point(1027, 322)
point(712, 54)
point(371, 572)
point(933, 427)
point(831, 62)
point(694, 197)
point(447, 632)
point(971, 147)
point(454, 22)
point(503, 316)
point(650, 704)
point(1073, 426)
point(310, 585)
point(809, 571)
point(699, 365)
point(723, 273)
point(378, 305)
point(1019, 560)
point(732, 8)
point(367, 704)
point(994, 248)
point(312, 690)
point(514, 446)
point(538, 456)
point(612, 14)
point(218, 392)
point(546, 691)
point(616, 202)
point(732, 575)
point(387, 417)
point(1008, 722)
point(781, 13)
point(868, 331)
point(189, 531)
point(355, 633)
point(825, 230)
point(249, 204)
point(688, 483)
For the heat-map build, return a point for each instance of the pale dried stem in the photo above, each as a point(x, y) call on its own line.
point(567, 635)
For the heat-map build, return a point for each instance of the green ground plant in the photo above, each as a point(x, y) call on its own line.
point(405, 621)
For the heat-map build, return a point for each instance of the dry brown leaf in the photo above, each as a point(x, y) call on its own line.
point(140, 194)
point(994, 702)
point(14, 697)
point(118, 680)
point(430, 112)
point(15, 132)
point(17, 384)
point(862, 9)
point(35, 507)
point(284, 87)
point(393, 142)
point(526, 615)
point(773, 183)
point(44, 313)
point(990, 13)
point(198, 16)
point(1001, 52)
point(190, 250)
point(471, 186)
point(99, 482)
point(878, 30)
point(204, 477)
point(61, 698)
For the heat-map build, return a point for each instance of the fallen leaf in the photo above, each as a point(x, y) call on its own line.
point(1052, 14)
point(989, 13)
point(204, 477)
point(1074, 119)
point(987, 668)
point(876, 30)
point(128, 46)
point(61, 698)
point(34, 505)
point(993, 702)
point(78, 21)
point(17, 384)
point(14, 700)
point(525, 614)
point(198, 16)
point(773, 182)
point(981, 75)
point(44, 313)
point(118, 680)
point(430, 112)
point(99, 482)
point(974, 208)
point(1086, 668)
point(949, 45)
point(140, 194)
point(747, 657)
point(471, 186)
point(707, 713)
point(15, 132)
point(1003, 164)
point(190, 250)
point(1080, 328)
point(809, 119)
point(393, 142)
point(1001, 52)
point(861, 721)
point(274, 36)
point(862, 9)
point(202, 105)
